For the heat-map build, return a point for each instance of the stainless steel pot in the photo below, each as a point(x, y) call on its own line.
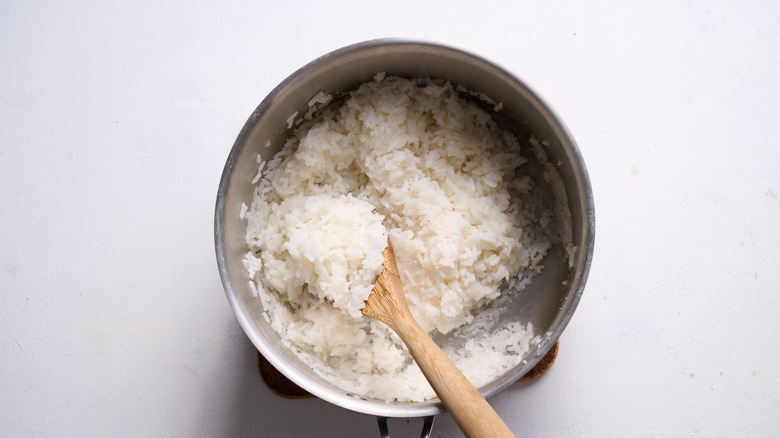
point(548, 302)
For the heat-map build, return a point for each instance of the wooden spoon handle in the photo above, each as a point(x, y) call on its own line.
point(471, 411)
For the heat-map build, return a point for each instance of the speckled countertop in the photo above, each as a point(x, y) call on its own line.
point(115, 122)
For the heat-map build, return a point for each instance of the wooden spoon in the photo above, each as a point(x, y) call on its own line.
point(387, 303)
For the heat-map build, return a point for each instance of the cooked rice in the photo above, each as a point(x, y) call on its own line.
point(447, 184)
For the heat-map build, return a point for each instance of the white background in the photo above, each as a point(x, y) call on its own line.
point(115, 122)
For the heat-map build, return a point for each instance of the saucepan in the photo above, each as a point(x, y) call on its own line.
point(548, 302)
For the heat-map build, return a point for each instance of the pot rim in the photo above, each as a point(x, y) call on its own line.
point(414, 409)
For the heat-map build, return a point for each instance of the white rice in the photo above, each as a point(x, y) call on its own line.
point(330, 245)
point(447, 184)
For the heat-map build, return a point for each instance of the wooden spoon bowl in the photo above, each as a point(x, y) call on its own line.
point(387, 303)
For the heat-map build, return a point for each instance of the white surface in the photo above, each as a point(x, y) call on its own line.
point(116, 119)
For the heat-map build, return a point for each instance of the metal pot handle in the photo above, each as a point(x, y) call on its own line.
point(384, 432)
